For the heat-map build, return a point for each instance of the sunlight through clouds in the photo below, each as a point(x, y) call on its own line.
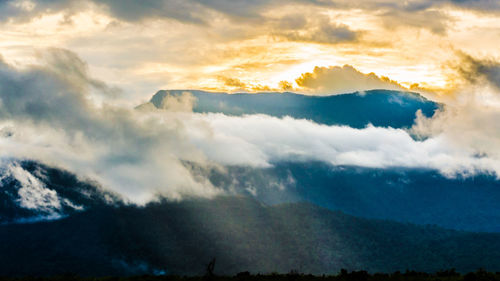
point(149, 51)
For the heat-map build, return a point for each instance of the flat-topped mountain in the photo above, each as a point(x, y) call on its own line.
point(377, 107)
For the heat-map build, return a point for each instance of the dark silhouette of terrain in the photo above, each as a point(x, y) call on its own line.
point(344, 275)
point(243, 234)
point(108, 237)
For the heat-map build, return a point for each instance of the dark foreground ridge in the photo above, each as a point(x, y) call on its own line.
point(243, 234)
point(344, 275)
point(93, 234)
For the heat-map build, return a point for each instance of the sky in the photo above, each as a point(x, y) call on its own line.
point(257, 45)
point(71, 73)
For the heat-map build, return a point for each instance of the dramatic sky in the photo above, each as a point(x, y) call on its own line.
point(142, 46)
point(71, 72)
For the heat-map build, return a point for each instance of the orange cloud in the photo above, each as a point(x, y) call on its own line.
point(336, 79)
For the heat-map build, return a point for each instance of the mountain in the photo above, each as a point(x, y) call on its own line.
point(105, 236)
point(420, 196)
point(309, 216)
point(379, 107)
point(31, 191)
point(242, 234)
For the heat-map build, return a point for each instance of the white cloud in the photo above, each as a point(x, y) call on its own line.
point(259, 140)
point(48, 114)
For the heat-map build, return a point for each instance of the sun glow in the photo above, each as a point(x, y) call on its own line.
point(244, 56)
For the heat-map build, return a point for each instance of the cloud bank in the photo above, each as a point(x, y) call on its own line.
point(51, 114)
point(260, 140)
point(471, 117)
point(195, 11)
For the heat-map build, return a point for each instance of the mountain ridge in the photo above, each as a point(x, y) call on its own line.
point(384, 108)
point(243, 234)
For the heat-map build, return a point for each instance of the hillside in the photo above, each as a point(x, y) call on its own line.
point(379, 107)
point(242, 234)
point(420, 196)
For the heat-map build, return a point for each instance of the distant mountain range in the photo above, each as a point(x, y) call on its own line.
point(377, 107)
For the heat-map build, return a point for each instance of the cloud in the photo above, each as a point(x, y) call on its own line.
point(470, 120)
point(478, 71)
point(142, 46)
point(434, 20)
point(233, 82)
point(412, 13)
point(236, 85)
point(48, 114)
point(345, 79)
point(260, 141)
point(36, 93)
point(239, 10)
point(481, 5)
point(285, 85)
point(316, 29)
point(132, 11)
